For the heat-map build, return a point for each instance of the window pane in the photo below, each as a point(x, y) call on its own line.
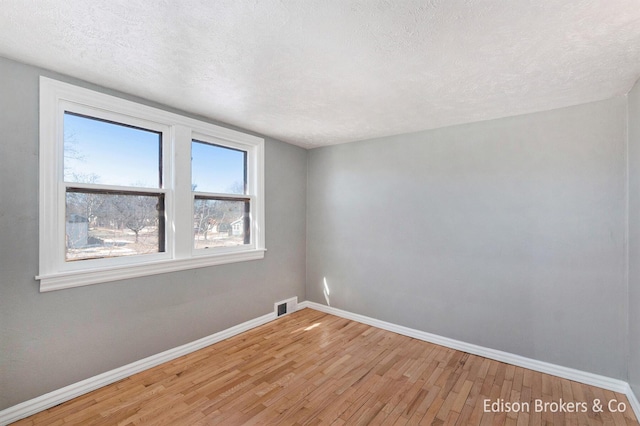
point(100, 225)
point(97, 151)
point(218, 169)
point(220, 223)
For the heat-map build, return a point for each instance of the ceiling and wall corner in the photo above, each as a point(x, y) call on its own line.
point(633, 159)
point(317, 73)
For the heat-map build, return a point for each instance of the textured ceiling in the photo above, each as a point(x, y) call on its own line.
point(318, 72)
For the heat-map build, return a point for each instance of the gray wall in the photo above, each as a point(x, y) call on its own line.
point(50, 340)
point(634, 239)
point(509, 233)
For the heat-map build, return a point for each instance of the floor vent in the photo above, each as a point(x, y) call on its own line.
point(286, 306)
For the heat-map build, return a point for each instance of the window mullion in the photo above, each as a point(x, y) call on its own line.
point(182, 194)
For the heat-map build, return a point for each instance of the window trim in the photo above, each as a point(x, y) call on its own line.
point(54, 273)
point(251, 183)
point(167, 176)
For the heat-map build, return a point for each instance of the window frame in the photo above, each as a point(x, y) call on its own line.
point(250, 185)
point(178, 131)
point(114, 117)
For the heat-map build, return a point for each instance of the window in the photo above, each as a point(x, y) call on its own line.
point(127, 190)
point(114, 197)
point(221, 206)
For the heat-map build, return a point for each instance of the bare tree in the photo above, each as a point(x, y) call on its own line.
point(204, 217)
point(136, 212)
point(72, 153)
point(86, 204)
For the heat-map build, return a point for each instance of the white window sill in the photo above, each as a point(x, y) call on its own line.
point(62, 280)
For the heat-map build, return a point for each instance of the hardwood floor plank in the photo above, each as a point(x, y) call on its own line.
point(310, 368)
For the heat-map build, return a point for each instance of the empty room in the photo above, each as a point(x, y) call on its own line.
point(280, 212)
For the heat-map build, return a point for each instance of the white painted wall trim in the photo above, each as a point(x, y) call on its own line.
point(177, 133)
point(633, 401)
point(509, 358)
point(67, 393)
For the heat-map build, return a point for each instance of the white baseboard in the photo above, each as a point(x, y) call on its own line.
point(633, 401)
point(67, 393)
point(506, 357)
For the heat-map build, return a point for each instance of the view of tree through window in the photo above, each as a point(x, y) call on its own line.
point(220, 223)
point(221, 212)
point(110, 171)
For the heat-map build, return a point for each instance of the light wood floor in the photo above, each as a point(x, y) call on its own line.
point(313, 368)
